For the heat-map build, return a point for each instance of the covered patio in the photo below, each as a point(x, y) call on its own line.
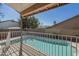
point(28, 9)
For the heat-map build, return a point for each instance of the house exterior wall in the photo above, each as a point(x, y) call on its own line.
point(8, 24)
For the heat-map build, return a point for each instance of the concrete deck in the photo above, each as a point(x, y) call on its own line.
point(76, 47)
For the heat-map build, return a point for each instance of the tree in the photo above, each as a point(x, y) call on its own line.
point(30, 22)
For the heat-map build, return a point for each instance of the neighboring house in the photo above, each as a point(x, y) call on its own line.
point(72, 23)
point(70, 26)
point(8, 23)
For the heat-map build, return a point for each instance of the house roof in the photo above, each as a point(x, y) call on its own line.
point(8, 20)
point(70, 19)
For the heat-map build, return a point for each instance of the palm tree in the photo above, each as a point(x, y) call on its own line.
point(54, 22)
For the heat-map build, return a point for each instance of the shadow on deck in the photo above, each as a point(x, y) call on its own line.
point(26, 51)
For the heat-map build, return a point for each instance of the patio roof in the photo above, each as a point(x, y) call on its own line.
point(27, 9)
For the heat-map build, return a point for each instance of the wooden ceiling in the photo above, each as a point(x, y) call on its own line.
point(40, 7)
point(28, 9)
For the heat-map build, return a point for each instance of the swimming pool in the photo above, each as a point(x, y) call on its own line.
point(50, 46)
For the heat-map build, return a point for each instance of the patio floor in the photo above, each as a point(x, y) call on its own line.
point(26, 51)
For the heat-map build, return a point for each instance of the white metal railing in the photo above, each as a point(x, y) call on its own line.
point(72, 40)
point(5, 40)
point(3, 35)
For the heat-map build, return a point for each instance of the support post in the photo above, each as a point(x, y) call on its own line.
point(21, 40)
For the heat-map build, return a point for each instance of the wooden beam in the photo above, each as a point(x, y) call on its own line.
point(40, 7)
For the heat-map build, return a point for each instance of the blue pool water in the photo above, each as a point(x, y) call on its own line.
point(50, 46)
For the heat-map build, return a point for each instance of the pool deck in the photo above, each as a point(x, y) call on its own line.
point(2, 41)
point(26, 51)
point(74, 45)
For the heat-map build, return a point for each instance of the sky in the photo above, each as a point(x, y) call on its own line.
point(45, 18)
point(9, 13)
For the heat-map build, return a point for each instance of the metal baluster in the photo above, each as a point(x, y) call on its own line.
point(4, 35)
point(76, 46)
point(58, 45)
point(71, 46)
point(41, 44)
point(52, 44)
point(1, 35)
point(55, 45)
point(44, 43)
point(62, 46)
point(11, 34)
point(66, 46)
point(49, 43)
point(15, 34)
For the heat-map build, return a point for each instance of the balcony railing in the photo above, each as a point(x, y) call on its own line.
point(73, 41)
point(3, 35)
